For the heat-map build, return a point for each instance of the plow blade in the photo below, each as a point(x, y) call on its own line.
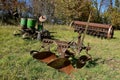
point(62, 64)
point(44, 56)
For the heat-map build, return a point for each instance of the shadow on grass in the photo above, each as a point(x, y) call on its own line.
point(114, 38)
point(93, 63)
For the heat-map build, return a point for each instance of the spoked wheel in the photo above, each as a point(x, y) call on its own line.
point(44, 56)
point(62, 64)
point(82, 61)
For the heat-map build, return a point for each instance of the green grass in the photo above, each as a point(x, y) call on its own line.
point(17, 64)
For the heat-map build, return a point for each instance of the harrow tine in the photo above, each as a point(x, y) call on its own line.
point(46, 44)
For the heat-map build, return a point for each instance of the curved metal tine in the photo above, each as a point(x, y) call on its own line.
point(65, 38)
point(86, 28)
point(46, 44)
point(87, 49)
point(70, 42)
point(43, 46)
point(62, 46)
point(39, 35)
point(62, 52)
point(80, 44)
point(71, 23)
point(73, 47)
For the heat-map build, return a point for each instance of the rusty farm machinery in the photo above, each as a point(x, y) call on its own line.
point(94, 29)
point(69, 57)
point(66, 59)
point(28, 29)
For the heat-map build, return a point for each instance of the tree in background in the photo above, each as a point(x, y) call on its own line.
point(112, 14)
point(115, 18)
point(117, 4)
point(43, 7)
point(11, 10)
point(72, 9)
point(98, 7)
point(66, 10)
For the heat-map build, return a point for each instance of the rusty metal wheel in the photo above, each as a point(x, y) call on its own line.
point(82, 61)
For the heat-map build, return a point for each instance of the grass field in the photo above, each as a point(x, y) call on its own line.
point(17, 64)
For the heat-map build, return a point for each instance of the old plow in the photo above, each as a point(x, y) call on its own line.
point(69, 57)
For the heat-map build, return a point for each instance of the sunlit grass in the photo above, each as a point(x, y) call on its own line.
point(17, 64)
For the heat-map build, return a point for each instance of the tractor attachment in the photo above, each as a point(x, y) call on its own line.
point(28, 29)
point(68, 58)
point(95, 29)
